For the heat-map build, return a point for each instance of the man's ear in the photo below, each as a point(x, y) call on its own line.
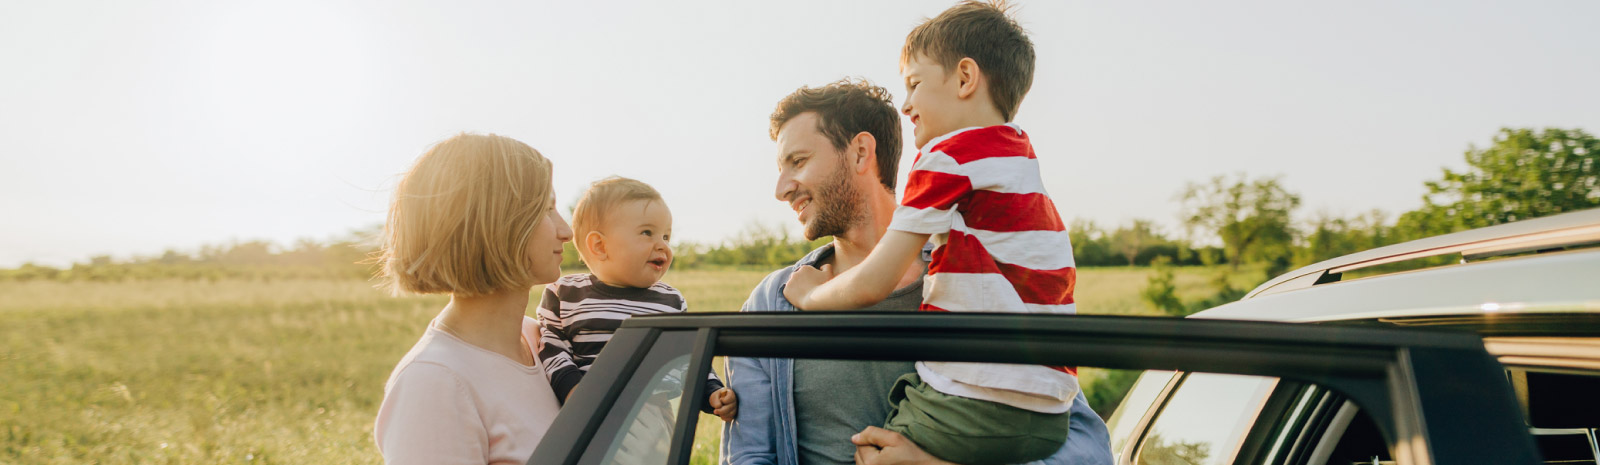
point(595, 244)
point(970, 75)
point(863, 151)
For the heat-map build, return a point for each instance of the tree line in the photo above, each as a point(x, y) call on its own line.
point(1233, 220)
point(1522, 174)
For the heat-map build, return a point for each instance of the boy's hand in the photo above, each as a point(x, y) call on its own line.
point(724, 404)
point(803, 281)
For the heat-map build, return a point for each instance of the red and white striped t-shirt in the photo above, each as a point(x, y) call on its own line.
point(1000, 246)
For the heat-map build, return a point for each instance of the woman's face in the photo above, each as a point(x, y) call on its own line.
point(544, 247)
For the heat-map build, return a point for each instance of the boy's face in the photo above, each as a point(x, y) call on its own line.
point(932, 98)
point(631, 249)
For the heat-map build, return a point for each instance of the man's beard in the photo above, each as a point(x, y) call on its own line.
point(838, 206)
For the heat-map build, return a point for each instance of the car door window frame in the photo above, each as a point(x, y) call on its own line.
point(1386, 371)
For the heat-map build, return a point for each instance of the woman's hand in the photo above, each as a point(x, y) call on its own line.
point(724, 404)
point(878, 446)
point(803, 281)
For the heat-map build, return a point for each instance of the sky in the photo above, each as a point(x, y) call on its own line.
point(128, 128)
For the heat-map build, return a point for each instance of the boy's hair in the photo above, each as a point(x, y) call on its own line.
point(462, 216)
point(983, 32)
point(603, 197)
point(845, 108)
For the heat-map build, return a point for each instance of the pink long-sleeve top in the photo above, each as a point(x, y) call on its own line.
point(450, 402)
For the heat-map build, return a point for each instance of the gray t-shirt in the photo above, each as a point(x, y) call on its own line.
point(834, 399)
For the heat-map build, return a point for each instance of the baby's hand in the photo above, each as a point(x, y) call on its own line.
point(724, 404)
point(803, 281)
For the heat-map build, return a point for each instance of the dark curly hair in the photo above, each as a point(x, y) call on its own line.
point(845, 108)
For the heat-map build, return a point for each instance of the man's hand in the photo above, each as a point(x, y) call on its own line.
point(724, 404)
point(802, 282)
point(878, 446)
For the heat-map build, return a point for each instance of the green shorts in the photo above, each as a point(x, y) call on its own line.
point(970, 431)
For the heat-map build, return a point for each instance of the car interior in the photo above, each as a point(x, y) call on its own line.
point(1295, 423)
point(1563, 412)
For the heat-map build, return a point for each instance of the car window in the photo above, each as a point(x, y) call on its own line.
point(1204, 420)
point(641, 422)
point(1139, 400)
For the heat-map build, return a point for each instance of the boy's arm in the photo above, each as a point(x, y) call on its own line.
point(866, 284)
point(556, 352)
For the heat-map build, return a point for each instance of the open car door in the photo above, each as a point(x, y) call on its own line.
point(1435, 397)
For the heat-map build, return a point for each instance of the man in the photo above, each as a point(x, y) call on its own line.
point(838, 155)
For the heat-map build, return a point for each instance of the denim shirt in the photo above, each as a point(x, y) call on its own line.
point(763, 432)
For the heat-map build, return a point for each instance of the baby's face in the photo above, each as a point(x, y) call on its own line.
point(931, 100)
point(637, 253)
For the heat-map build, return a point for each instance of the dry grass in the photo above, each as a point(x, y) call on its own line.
point(287, 371)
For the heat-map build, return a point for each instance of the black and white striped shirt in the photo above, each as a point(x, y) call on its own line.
point(577, 316)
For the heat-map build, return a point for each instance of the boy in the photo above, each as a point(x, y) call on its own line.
point(621, 227)
point(975, 189)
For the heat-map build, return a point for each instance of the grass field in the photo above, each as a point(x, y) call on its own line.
point(278, 371)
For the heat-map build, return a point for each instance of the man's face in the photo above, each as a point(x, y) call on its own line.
point(931, 98)
point(814, 179)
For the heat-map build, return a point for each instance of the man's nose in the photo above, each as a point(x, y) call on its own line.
point(905, 108)
point(784, 188)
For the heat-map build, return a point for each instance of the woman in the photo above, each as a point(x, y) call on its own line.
point(475, 218)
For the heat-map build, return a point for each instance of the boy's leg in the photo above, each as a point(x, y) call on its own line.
point(970, 431)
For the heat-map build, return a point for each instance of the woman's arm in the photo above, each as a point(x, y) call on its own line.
point(866, 284)
point(428, 417)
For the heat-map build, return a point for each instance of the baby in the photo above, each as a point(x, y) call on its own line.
point(621, 227)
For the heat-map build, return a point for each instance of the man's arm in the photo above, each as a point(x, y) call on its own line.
point(878, 446)
point(866, 284)
point(751, 438)
point(1089, 443)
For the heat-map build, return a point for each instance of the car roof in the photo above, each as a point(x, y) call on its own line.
point(1556, 282)
point(1552, 232)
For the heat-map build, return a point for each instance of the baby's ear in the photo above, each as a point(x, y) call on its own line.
point(595, 244)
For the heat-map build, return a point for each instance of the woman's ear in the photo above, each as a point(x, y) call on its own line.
point(595, 244)
point(967, 70)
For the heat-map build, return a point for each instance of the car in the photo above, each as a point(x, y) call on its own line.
point(1490, 361)
point(1408, 380)
point(1530, 290)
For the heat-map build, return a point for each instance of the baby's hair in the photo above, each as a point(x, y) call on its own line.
point(985, 33)
point(461, 217)
point(602, 198)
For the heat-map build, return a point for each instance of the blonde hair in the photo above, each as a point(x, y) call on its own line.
point(462, 216)
point(603, 196)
